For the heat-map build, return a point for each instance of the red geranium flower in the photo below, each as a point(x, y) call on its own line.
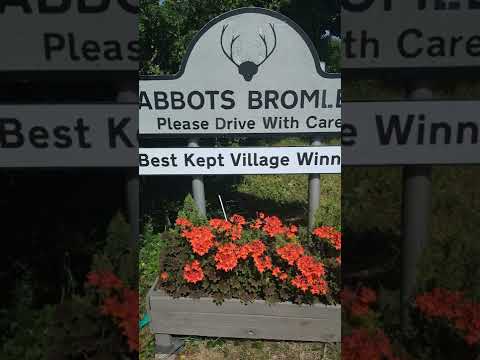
point(226, 257)
point(262, 264)
point(292, 231)
point(290, 253)
point(104, 280)
point(183, 222)
point(273, 226)
point(243, 252)
point(257, 248)
point(220, 224)
point(301, 283)
point(193, 272)
point(200, 238)
point(238, 219)
point(279, 274)
point(329, 233)
point(164, 276)
point(310, 268)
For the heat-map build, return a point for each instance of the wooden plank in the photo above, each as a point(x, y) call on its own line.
point(257, 320)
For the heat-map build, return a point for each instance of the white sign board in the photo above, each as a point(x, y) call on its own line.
point(68, 136)
point(410, 34)
point(412, 132)
point(69, 35)
point(248, 71)
point(242, 161)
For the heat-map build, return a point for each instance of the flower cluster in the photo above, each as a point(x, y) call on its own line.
point(312, 272)
point(273, 226)
point(192, 272)
point(226, 257)
point(118, 302)
point(332, 237)
point(104, 280)
point(232, 228)
point(330, 234)
point(358, 302)
point(364, 344)
point(463, 314)
point(227, 245)
point(200, 238)
point(290, 253)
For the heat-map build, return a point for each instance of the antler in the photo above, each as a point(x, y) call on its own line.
point(234, 38)
point(264, 39)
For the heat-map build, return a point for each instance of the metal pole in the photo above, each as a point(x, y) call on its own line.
point(128, 94)
point(198, 187)
point(417, 199)
point(313, 191)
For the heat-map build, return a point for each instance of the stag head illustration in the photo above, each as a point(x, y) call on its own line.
point(248, 69)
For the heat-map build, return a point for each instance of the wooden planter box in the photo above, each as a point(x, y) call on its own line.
point(232, 319)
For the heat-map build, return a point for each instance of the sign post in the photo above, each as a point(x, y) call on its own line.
point(417, 199)
point(198, 186)
point(313, 192)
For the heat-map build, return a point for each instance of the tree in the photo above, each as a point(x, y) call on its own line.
point(166, 29)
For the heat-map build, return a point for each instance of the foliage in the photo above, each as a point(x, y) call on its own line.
point(165, 30)
point(80, 326)
point(118, 255)
point(362, 335)
point(446, 326)
point(190, 211)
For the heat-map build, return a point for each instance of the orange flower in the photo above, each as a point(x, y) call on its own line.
point(319, 286)
point(262, 264)
point(183, 222)
point(104, 280)
point(290, 253)
point(257, 224)
point(292, 231)
point(273, 226)
point(257, 248)
point(238, 219)
point(300, 282)
point(279, 274)
point(276, 271)
point(164, 276)
point(333, 236)
point(364, 344)
point(243, 252)
point(200, 238)
point(226, 257)
point(193, 272)
point(310, 268)
point(220, 224)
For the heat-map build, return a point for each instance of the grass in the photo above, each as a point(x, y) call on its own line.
point(282, 195)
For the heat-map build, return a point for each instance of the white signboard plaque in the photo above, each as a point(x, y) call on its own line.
point(411, 132)
point(65, 35)
point(249, 71)
point(225, 161)
point(410, 34)
point(86, 135)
